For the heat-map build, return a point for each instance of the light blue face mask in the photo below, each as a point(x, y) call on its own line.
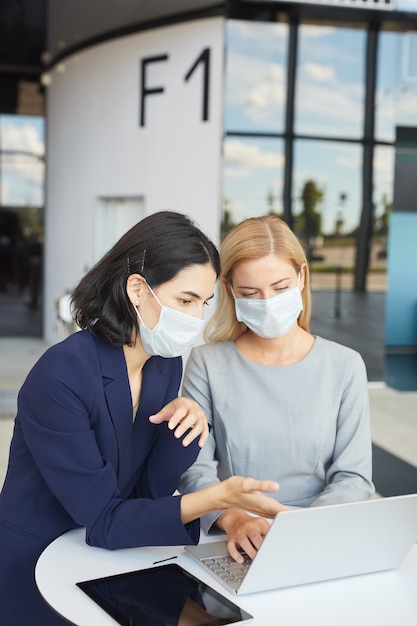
point(272, 317)
point(174, 333)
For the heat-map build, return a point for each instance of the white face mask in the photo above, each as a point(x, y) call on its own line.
point(173, 335)
point(272, 317)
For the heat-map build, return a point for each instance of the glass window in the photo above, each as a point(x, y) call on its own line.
point(21, 160)
point(388, 86)
point(382, 198)
point(330, 81)
point(406, 98)
point(327, 207)
point(21, 219)
point(256, 67)
point(252, 178)
point(396, 93)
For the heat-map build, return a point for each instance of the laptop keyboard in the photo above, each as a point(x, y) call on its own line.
point(228, 569)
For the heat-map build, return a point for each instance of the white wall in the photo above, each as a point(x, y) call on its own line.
point(97, 148)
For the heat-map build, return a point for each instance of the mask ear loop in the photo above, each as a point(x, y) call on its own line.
point(152, 292)
point(138, 314)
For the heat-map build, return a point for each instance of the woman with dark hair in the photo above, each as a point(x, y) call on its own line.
point(101, 437)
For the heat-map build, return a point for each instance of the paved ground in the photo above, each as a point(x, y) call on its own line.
point(356, 320)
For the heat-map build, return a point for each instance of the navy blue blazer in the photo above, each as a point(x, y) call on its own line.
point(78, 460)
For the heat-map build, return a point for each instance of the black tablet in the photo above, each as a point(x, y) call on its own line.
point(162, 596)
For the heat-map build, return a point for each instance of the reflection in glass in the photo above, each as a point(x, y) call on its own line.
point(389, 87)
point(252, 178)
point(22, 160)
point(21, 220)
point(396, 93)
point(255, 86)
point(327, 199)
point(330, 81)
point(162, 596)
point(406, 100)
point(382, 199)
point(327, 207)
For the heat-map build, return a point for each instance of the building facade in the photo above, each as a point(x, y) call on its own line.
point(223, 110)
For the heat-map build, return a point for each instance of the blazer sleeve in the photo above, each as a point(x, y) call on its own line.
point(57, 408)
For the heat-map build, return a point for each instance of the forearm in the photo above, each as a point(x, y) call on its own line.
point(245, 493)
point(199, 503)
point(345, 487)
point(202, 474)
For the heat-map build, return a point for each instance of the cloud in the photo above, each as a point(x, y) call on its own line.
point(246, 70)
point(242, 154)
point(246, 30)
point(23, 138)
point(268, 92)
point(259, 100)
point(352, 163)
point(339, 105)
point(319, 72)
point(257, 36)
point(406, 106)
point(317, 32)
point(255, 86)
point(22, 159)
point(229, 172)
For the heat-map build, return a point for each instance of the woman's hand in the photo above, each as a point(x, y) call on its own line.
point(243, 532)
point(246, 493)
point(184, 414)
point(235, 492)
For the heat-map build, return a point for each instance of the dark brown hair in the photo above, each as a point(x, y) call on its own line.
point(157, 248)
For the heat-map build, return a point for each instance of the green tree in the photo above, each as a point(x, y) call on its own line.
point(382, 223)
point(311, 196)
point(227, 222)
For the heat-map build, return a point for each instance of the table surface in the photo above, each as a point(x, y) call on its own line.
point(383, 598)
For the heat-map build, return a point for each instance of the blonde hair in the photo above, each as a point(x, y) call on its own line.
point(254, 238)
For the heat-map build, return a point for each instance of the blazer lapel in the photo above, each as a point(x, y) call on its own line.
point(134, 440)
point(152, 399)
point(119, 404)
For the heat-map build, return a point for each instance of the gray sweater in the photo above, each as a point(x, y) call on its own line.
point(305, 425)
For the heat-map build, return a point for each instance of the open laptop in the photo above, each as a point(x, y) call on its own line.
point(321, 543)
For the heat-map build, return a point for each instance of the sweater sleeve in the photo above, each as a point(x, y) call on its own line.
point(349, 475)
point(203, 472)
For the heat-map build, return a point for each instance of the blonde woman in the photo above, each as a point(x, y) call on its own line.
point(281, 401)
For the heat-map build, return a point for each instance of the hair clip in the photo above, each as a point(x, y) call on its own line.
point(128, 264)
point(143, 261)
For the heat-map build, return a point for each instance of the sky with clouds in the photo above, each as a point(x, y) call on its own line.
point(329, 103)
